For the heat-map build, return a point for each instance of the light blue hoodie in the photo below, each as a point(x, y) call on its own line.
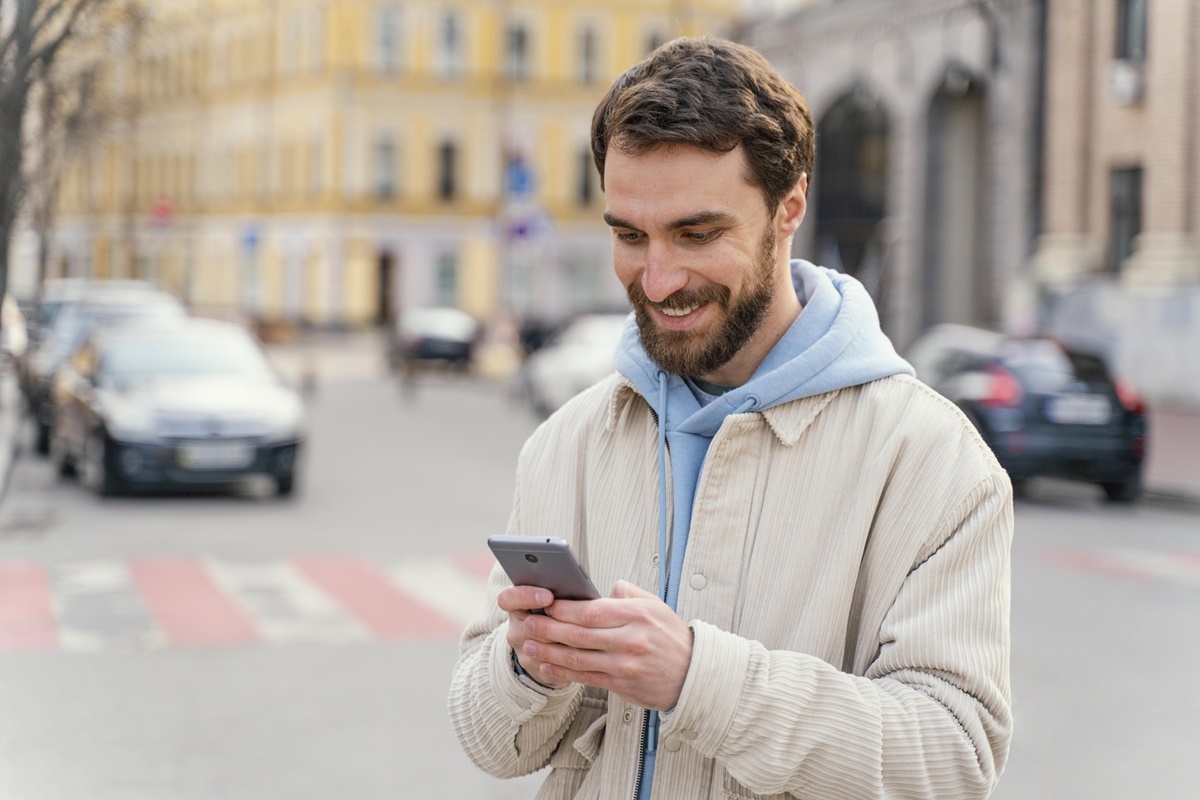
point(836, 342)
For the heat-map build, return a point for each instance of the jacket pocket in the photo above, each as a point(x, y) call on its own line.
point(732, 790)
point(581, 743)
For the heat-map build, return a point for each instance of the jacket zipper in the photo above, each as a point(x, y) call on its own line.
point(641, 766)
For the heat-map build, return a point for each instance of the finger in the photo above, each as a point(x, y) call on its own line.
point(625, 590)
point(603, 613)
point(569, 660)
point(523, 598)
point(547, 629)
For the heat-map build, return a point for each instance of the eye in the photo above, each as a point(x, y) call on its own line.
point(627, 237)
point(700, 237)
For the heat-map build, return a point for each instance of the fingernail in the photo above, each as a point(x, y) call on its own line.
point(530, 649)
point(543, 598)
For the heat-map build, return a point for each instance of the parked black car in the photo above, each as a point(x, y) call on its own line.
point(191, 403)
point(1043, 408)
point(94, 305)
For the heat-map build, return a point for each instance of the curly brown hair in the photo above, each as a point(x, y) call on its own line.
point(712, 94)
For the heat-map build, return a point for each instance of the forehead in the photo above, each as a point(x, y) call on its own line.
point(672, 182)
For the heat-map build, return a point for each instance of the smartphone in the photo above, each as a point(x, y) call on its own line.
point(545, 562)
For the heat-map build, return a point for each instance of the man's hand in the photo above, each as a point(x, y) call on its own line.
point(631, 643)
point(518, 601)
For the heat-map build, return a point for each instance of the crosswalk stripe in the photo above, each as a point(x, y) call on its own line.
point(441, 585)
point(365, 592)
point(286, 607)
point(188, 604)
point(26, 615)
point(98, 607)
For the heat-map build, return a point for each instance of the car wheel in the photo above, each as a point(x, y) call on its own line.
point(285, 485)
point(1126, 491)
point(94, 473)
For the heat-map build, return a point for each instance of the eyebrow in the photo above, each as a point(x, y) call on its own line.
point(691, 221)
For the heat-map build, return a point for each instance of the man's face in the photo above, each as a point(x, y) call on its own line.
point(699, 257)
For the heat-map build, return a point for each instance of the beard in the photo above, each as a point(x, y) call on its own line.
point(693, 353)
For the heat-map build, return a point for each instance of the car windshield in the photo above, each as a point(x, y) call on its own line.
point(75, 323)
point(1047, 367)
point(134, 358)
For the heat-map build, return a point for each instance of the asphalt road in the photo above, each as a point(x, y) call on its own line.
point(188, 647)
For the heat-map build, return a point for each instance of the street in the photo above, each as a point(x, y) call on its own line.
point(250, 647)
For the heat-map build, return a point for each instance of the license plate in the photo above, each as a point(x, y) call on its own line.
point(1079, 409)
point(215, 455)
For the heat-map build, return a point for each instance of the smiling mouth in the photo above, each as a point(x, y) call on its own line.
point(679, 312)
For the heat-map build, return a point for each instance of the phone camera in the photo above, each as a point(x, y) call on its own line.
point(531, 558)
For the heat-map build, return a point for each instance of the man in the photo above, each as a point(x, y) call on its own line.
point(808, 549)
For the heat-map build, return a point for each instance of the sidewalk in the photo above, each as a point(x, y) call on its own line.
point(1173, 456)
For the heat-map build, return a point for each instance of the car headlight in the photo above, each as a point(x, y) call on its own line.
point(130, 422)
point(287, 422)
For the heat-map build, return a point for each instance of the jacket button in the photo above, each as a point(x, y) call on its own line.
point(628, 716)
point(698, 582)
point(654, 559)
point(673, 743)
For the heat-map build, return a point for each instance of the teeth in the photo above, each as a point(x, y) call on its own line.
point(679, 312)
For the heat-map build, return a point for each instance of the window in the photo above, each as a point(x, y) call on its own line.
point(587, 174)
point(1125, 197)
point(447, 185)
point(1131, 30)
point(588, 55)
point(387, 39)
point(450, 57)
point(446, 280)
point(290, 43)
point(385, 167)
point(517, 52)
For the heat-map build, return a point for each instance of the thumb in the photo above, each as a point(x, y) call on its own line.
point(625, 589)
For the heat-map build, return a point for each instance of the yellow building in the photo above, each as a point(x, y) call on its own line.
point(332, 161)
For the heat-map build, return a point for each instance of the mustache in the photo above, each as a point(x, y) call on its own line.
point(680, 299)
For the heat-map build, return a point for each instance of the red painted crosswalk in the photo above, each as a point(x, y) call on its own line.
point(26, 615)
point(188, 604)
point(158, 603)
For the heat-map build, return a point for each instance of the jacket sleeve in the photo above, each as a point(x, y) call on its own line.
point(507, 724)
point(929, 719)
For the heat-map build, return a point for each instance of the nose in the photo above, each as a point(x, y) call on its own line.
point(663, 276)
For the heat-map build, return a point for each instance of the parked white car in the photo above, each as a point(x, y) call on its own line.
point(578, 355)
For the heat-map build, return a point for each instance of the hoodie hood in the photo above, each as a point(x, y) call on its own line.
point(835, 342)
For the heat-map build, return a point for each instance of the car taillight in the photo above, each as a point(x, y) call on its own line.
point(1131, 401)
point(1003, 389)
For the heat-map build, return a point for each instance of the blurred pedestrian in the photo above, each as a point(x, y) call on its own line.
point(808, 548)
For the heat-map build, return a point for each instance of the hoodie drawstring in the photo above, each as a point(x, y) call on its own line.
point(662, 485)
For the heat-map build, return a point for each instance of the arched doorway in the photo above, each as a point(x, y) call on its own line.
point(955, 263)
point(852, 187)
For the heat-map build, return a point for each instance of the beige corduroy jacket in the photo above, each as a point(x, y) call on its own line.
point(847, 581)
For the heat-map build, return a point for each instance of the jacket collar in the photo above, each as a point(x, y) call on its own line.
point(787, 420)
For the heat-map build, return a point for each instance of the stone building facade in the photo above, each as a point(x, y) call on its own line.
point(1118, 263)
point(926, 169)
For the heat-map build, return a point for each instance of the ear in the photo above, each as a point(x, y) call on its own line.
point(792, 207)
